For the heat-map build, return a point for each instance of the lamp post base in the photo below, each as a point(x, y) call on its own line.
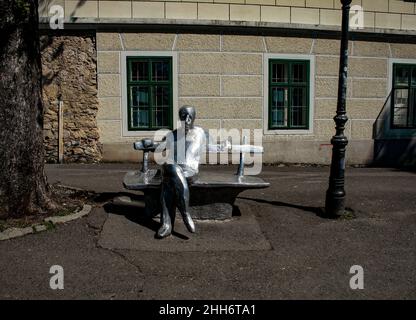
point(334, 205)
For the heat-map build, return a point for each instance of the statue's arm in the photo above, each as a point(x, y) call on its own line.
point(222, 147)
point(196, 146)
point(165, 145)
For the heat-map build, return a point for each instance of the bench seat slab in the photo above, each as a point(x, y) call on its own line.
point(212, 195)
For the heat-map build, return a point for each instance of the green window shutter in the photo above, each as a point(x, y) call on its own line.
point(289, 88)
point(149, 93)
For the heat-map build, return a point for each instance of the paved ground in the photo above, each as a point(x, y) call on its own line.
point(279, 248)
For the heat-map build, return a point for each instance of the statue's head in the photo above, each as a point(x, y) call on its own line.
point(187, 115)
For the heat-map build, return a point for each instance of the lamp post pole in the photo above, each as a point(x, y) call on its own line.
point(335, 195)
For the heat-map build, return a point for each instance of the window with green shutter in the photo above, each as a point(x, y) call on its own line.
point(288, 94)
point(404, 96)
point(149, 93)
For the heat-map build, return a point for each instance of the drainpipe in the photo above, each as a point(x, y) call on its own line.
point(60, 130)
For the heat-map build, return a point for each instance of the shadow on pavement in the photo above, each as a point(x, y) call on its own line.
point(135, 212)
point(109, 196)
point(318, 211)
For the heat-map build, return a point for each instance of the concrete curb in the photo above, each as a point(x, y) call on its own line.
point(19, 232)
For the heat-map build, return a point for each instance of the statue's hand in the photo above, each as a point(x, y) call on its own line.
point(225, 145)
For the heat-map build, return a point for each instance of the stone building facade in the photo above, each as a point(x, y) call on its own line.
point(222, 55)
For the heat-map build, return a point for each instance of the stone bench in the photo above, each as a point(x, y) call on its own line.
point(212, 195)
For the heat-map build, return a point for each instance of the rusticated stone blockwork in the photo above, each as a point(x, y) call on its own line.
point(225, 77)
point(69, 67)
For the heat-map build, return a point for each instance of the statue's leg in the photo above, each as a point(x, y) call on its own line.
point(181, 187)
point(167, 199)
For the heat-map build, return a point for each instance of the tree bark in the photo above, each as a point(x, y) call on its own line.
point(23, 184)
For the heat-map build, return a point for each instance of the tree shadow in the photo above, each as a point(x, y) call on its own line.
point(46, 40)
point(79, 5)
point(50, 76)
point(45, 6)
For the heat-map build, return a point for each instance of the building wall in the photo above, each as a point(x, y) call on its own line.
point(223, 77)
point(222, 71)
point(69, 70)
point(379, 14)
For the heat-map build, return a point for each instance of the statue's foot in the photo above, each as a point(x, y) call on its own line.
point(189, 223)
point(164, 231)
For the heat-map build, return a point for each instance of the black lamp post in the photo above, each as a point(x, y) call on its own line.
point(335, 196)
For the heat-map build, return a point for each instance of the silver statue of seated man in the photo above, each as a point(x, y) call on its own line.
point(184, 147)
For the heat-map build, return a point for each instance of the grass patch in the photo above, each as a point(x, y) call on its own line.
point(66, 211)
point(49, 225)
point(349, 214)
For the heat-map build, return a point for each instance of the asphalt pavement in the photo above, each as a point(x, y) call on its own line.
point(279, 247)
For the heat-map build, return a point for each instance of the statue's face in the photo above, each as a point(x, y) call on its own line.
point(187, 115)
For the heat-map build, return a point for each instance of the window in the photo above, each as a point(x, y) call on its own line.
point(404, 96)
point(149, 93)
point(288, 94)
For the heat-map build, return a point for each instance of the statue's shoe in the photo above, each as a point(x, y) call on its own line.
point(164, 231)
point(189, 223)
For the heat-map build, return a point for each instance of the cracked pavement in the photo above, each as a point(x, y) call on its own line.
point(279, 248)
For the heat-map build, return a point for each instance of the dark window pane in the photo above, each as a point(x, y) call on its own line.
point(139, 96)
point(298, 72)
point(139, 71)
point(299, 108)
point(289, 99)
point(140, 118)
point(149, 103)
point(279, 72)
point(279, 107)
point(402, 75)
point(412, 109)
point(160, 71)
point(400, 105)
point(139, 106)
point(161, 102)
point(414, 76)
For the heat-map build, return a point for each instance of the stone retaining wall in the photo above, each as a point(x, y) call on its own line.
point(70, 71)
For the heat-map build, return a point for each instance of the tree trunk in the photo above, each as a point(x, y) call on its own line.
point(23, 185)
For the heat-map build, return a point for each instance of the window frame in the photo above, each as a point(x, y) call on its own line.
point(310, 86)
point(150, 84)
point(146, 133)
point(290, 85)
point(409, 87)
